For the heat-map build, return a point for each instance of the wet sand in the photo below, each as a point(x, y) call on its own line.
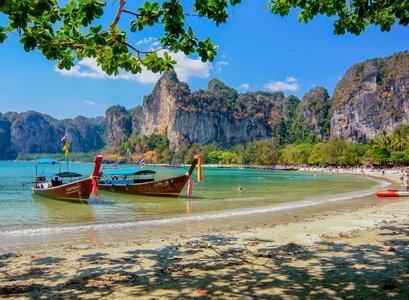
point(350, 252)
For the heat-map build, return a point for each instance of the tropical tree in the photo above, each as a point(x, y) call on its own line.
point(249, 154)
point(384, 140)
point(333, 151)
point(302, 153)
point(181, 153)
point(400, 157)
point(317, 155)
point(67, 31)
point(266, 152)
point(287, 155)
point(399, 140)
point(352, 154)
point(380, 156)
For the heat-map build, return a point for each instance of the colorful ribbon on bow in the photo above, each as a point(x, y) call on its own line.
point(199, 169)
point(94, 176)
point(190, 186)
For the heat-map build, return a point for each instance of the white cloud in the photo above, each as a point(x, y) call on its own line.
point(185, 68)
point(146, 41)
point(155, 45)
point(291, 79)
point(90, 102)
point(151, 44)
point(244, 86)
point(290, 84)
point(88, 68)
point(220, 64)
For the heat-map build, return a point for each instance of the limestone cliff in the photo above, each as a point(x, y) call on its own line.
point(33, 132)
point(86, 133)
point(313, 114)
point(119, 127)
point(6, 151)
point(216, 115)
point(372, 96)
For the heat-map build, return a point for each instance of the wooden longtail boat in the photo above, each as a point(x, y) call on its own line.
point(130, 182)
point(65, 185)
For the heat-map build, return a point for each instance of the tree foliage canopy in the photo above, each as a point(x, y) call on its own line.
point(353, 16)
point(67, 31)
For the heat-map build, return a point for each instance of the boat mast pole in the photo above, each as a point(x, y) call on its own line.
point(193, 166)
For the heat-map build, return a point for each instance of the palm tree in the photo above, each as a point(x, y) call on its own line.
point(399, 140)
point(384, 140)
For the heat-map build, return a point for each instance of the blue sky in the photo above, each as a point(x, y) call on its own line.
point(257, 51)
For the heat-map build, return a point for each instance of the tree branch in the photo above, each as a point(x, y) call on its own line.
point(117, 17)
point(139, 51)
point(131, 13)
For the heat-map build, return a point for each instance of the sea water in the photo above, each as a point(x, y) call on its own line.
point(26, 218)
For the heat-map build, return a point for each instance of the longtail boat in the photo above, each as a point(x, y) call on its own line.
point(65, 185)
point(143, 182)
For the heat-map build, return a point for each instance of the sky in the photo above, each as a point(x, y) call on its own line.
point(257, 51)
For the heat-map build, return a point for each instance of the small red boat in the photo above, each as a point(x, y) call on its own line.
point(393, 193)
point(74, 188)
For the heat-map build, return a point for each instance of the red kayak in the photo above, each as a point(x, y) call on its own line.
point(393, 193)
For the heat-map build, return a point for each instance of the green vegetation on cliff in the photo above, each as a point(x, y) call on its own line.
point(385, 150)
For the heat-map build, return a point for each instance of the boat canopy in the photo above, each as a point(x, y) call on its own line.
point(67, 174)
point(60, 174)
point(47, 161)
point(129, 172)
point(45, 175)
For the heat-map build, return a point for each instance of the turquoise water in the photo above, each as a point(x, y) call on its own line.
point(24, 215)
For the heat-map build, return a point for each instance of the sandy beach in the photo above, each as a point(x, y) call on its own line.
point(353, 253)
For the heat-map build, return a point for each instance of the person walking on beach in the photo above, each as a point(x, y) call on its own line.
point(402, 175)
point(407, 179)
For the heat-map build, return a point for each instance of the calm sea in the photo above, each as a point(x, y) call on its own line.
point(26, 218)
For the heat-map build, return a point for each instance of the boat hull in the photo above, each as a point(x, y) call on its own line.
point(170, 187)
point(78, 190)
point(393, 193)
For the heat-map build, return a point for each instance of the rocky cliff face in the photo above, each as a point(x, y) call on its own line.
point(33, 132)
point(372, 96)
point(6, 151)
point(314, 111)
point(119, 125)
point(86, 134)
point(216, 115)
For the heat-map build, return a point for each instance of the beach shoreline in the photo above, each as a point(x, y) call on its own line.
point(322, 254)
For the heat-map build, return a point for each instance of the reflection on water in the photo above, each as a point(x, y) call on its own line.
point(56, 211)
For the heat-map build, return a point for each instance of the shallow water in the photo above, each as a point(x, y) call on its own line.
point(26, 218)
